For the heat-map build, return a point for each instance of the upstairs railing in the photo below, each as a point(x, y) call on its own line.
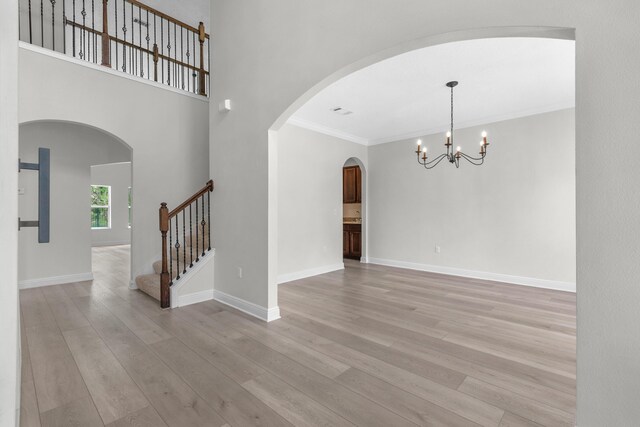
point(125, 35)
point(178, 256)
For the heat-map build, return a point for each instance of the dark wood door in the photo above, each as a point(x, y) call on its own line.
point(355, 244)
point(349, 178)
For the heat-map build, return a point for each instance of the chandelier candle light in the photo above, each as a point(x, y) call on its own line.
point(452, 157)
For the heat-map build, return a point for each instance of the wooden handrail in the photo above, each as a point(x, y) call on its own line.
point(166, 218)
point(186, 203)
point(180, 57)
point(164, 15)
point(133, 46)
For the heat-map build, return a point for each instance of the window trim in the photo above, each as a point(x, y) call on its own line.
point(108, 227)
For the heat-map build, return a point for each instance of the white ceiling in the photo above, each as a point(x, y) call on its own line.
point(405, 96)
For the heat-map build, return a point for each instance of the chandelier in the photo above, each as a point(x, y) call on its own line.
point(450, 155)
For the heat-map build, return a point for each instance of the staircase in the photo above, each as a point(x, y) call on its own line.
point(186, 238)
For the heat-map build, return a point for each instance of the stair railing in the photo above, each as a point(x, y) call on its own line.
point(179, 257)
point(125, 35)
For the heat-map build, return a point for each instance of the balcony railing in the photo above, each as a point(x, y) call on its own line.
point(124, 35)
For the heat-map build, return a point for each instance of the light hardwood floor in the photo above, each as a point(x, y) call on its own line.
point(369, 346)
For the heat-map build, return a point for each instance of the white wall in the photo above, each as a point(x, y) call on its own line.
point(166, 130)
point(513, 216)
point(9, 317)
point(118, 177)
point(273, 56)
point(74, 149)
point(310, 203)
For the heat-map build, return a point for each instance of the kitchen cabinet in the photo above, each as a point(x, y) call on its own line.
point(351, 185)
point(352, 241)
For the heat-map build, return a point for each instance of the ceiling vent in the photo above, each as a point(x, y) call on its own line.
point(341, 111)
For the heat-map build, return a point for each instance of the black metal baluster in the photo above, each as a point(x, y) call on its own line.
point(83, 52)
point(140, 41)
point(177, 252)
point(184, 241)
point(64, 26)
point(53, 23)
point(115, 9)
point(193, 72)
point(93, 27)
point(162, 46)
point(42, 23)
point(208, 68)
point(197, 224)
point(170, 252)
point(148, 38)
point(30, 25)
point(124, 37)
point(74, 29)
point(188, 69)
point(209, 218)
point(190, 236)
point(175, 56)
point(132, 63)
point(204, 223)
point(169, 53)
point(182, 55)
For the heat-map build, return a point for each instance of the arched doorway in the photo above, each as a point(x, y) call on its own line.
point(354, 203)
point(90, 202)
point(303, 98)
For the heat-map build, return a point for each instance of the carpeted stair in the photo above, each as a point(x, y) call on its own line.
point(150, 283)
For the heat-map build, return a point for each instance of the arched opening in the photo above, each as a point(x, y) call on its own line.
point(281, 127)
point(91, 204)
point(354, 210)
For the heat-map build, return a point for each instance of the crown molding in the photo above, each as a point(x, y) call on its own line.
point(306, 124)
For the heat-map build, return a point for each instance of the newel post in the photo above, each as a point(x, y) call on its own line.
point(164, 276)
point(202, 90)
point(106, 41)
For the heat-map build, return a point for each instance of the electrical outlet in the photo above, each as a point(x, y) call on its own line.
point(437, 249)
point(240, 272)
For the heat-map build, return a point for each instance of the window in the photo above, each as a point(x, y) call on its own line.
point(100, 206)
point(129, 207)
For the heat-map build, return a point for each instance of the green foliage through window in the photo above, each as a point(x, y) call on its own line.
point(100, 205)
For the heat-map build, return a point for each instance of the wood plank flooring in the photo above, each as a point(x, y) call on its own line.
point(367, 346)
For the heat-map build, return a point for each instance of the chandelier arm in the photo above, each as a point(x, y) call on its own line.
point(473, 160)
point(434, 162)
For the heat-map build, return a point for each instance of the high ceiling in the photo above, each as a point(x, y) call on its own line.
point(405, 96)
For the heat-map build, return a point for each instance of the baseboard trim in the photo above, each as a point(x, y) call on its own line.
point(195, 297)
point(116, 243)
point(255, 310)
point(290, 277)
point(472, 274)
point(54, 280)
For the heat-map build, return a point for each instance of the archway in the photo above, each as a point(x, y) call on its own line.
point(355, 212)
point(80, 155)
point(481, 33)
